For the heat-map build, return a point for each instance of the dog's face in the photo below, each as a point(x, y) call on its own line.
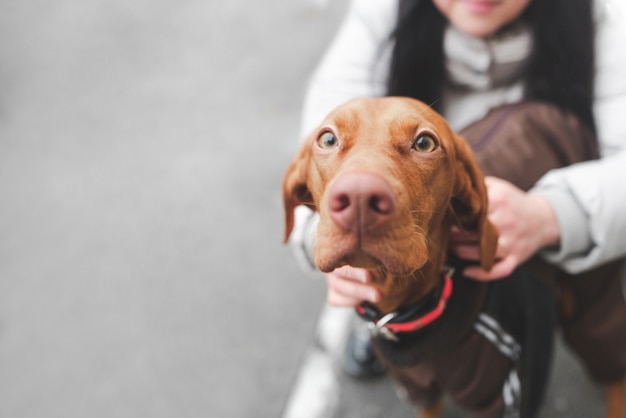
point(388, 177)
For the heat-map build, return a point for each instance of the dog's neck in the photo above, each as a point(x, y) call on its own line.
point(407, 290)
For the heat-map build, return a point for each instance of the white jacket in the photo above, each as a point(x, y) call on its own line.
point(589, 198)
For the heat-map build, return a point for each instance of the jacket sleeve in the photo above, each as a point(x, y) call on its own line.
point(354, 65)
point(589, 199)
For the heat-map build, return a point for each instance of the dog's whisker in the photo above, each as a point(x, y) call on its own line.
point(457, 220)
point(415, 211)
point(434, 103)
point(428, 107)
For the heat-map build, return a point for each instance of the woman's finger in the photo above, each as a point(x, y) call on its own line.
point(459, 236)
point(336, 299)
point(466, 252)
point(501, 269)
point(349, 288)
point(353, 273)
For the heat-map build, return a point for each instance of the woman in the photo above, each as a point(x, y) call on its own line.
point(465, 57)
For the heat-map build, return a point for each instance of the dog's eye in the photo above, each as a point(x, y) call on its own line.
point(327, 141)
point(424, 143)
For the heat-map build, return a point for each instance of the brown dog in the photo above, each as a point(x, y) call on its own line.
point(389, 179)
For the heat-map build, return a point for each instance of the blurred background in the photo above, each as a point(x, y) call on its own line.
point(142, 146)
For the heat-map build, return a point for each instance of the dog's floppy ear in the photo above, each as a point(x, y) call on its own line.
point(470, 201)
point(295, 187)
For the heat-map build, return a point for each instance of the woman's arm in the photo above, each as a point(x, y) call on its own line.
point(597, 196)
point(355, 64)
point(581, 206)
point(589, 199)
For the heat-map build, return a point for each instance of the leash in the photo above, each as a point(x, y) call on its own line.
point(412, 318)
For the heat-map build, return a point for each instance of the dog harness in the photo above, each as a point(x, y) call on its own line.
point(488, 310)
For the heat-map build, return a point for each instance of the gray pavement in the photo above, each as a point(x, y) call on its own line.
point(142, 274)
point(142, 145)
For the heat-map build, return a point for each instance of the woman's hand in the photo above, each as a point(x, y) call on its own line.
point(526, 223)
point(348, 287)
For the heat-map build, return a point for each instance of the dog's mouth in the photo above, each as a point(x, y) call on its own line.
point(375, 254)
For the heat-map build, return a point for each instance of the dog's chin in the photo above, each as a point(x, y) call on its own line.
point(399, 257)
point(365, 260)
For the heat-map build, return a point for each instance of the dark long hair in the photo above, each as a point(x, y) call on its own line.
point(560, 70)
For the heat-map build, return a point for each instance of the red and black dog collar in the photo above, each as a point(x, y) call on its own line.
point(409, 319)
